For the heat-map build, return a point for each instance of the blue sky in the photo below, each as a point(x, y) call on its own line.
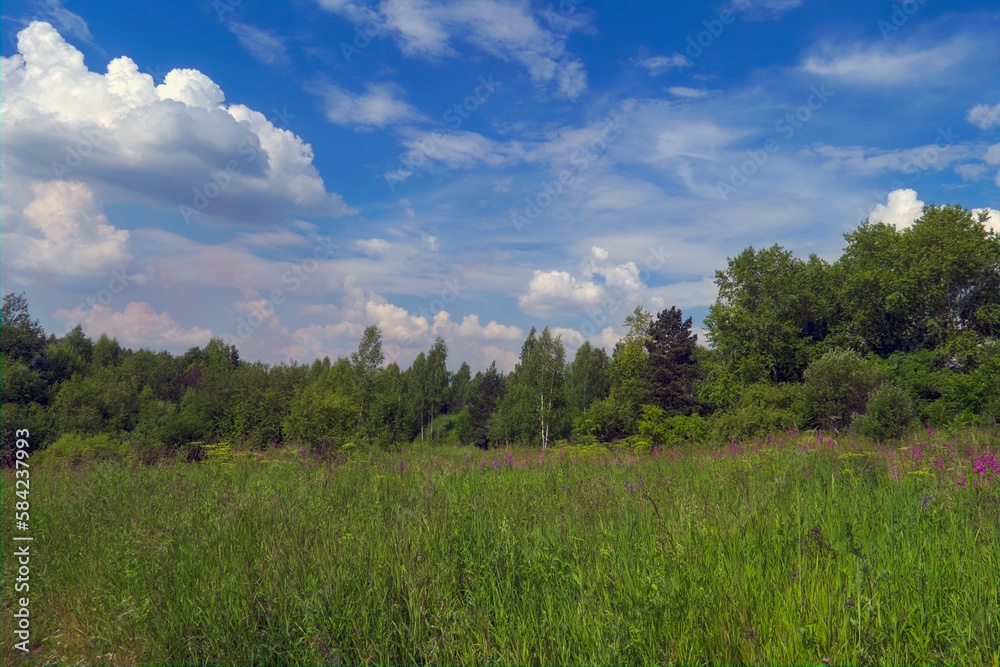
point(283, 175)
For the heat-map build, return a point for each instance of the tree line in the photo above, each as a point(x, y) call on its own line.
point(902, 328)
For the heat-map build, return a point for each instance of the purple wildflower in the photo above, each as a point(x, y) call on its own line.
point(656, 450)
point(496, 464)
point(510, 458)
point(808, 474)
point(960, 481)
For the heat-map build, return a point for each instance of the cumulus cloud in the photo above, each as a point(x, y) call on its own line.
point(901, 210)
point(471, 328)
point(992, 223)
point(138, 325)
point(558, 292)
point(984, 116)
point(62, 232)
point(168, 145)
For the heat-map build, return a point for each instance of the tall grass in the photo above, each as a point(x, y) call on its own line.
point(800, 550)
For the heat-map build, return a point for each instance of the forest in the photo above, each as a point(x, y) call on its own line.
point(901, 330)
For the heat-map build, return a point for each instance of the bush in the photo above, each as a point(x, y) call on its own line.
point(75, 448)
point(761, 409)
point(839, 384)
point(890, 411)
point(658, 429)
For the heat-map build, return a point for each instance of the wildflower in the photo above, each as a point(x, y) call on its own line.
point(819, 436)
point(923, 503)
point(496, 464)
point(260, 457)
point(930, 431)
point(510, 458)
point(916, 453)
point(656, 450)
point(960, 482)
point(939, 463)
point(808, 474)
point(895, 475)
point(560, 453)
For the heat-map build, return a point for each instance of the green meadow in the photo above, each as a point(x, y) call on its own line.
point(800, 549)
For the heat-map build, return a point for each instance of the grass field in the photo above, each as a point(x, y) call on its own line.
point(800, 550)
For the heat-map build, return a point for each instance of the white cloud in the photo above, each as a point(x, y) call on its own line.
point(138, 326)
point(881, 65)
point(507, 31)
point(992, 218)
point(374, 246)
point(684, 91)
point(471, 328)
point(984, 116)
point(147, 143)
point(262, 44)
point(62, 232)
point(380, 105)
point(869, 161)
point(901, 210)
point(557, 292)
point(659, 64)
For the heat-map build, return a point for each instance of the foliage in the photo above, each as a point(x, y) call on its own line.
point(657, 428)
point(890, 411)
point(761, 409)
point(76, 448)
point(672, 363)
point(838, 385)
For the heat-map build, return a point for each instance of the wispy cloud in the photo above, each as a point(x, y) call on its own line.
point(882, 65)
point(659, 64)
point(380, 105)
point(262, 44)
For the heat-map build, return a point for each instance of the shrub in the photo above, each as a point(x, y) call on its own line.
point(839, 384)
point(890, 411)
point(761, 409)
point(76, 448)
point(658, 429)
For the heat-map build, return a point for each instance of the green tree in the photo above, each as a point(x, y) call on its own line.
point(533, 408)
point(766, 321)
point(587, 379)
point(673, 366)
point(914, 289)
point(486, 391)
point(366, 363)
point(21, 338)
